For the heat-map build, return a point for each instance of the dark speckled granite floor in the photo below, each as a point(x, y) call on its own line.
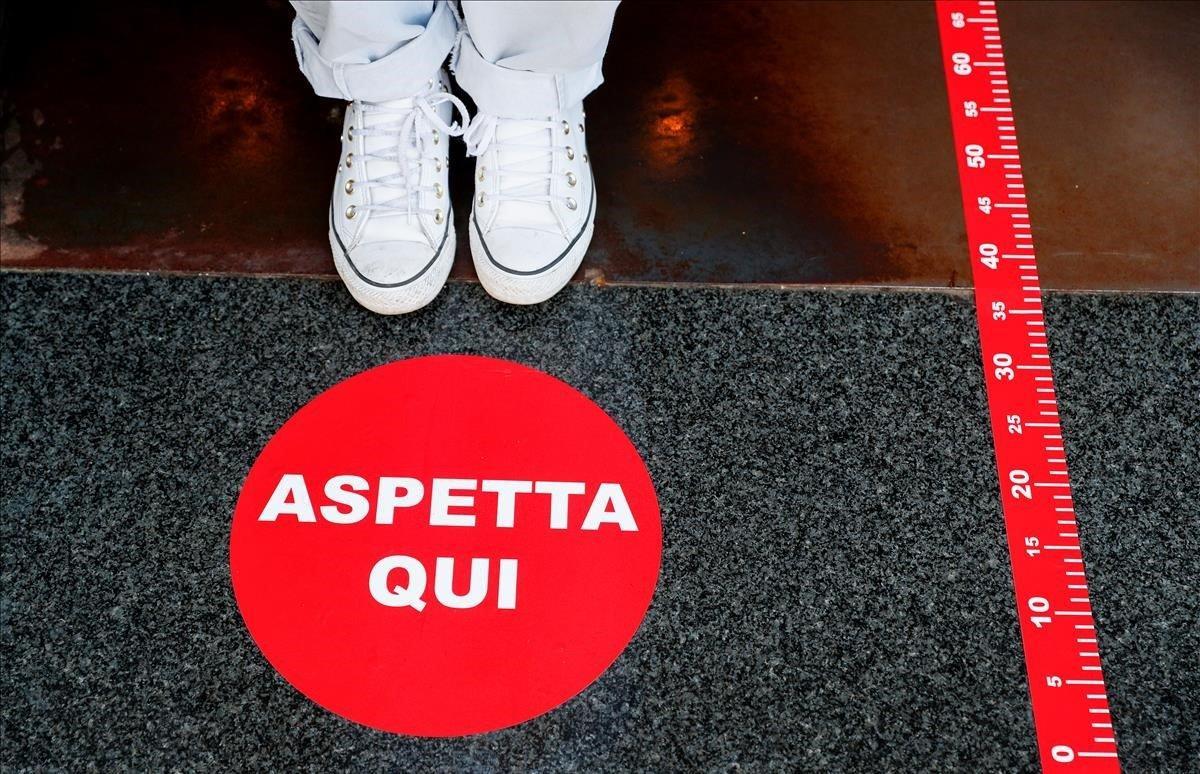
point(835, 591)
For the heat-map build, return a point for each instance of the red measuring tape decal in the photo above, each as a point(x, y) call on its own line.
point(1062, 655)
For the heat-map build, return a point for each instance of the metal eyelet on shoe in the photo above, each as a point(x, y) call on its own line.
point(438, 217)
point(437, 165)
point(349, 186)
point(571, 179)
point(349, 160)
point(581, 129)
point(572, 204)
point(566, 127)
point(437, 137)
point(351, 211)
point(481, 171)
point(482, 200)
point(585, 158)
point(570, 153)
point(438, 191)
point(350, 133)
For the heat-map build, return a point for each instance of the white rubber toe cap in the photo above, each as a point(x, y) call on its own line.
point(390, 263)
point(524, 250)
point(393, 277)
point(526, 266)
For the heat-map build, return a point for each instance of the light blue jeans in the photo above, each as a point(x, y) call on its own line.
point(515, 59)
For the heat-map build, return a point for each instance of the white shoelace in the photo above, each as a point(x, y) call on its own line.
point(412, 148)
point(526, 175)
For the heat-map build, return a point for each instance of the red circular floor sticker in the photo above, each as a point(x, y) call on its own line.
point(445, 545)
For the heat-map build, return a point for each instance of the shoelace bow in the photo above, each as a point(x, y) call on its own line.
point(411, 149)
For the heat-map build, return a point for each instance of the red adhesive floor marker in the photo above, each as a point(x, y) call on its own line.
point(1062, 656)
point(445, 545)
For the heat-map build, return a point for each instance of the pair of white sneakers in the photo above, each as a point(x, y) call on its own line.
point(391, 227)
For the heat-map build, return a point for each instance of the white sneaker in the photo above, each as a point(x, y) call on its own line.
point(391, 227)
point(535, 203)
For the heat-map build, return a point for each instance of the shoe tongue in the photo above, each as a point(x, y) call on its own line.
point(532, 159)
point(388, 225)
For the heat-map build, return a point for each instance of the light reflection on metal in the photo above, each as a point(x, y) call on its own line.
point(240, 121)
point(671, 140)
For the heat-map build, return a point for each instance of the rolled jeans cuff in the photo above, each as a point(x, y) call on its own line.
point(518, 93)
point(400, 74)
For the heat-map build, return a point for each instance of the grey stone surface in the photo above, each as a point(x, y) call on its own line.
point(835, 591)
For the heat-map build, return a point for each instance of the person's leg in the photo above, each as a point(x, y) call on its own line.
point(527, 59)
point(390, 225)
point(528, 66)
point(372, 51)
